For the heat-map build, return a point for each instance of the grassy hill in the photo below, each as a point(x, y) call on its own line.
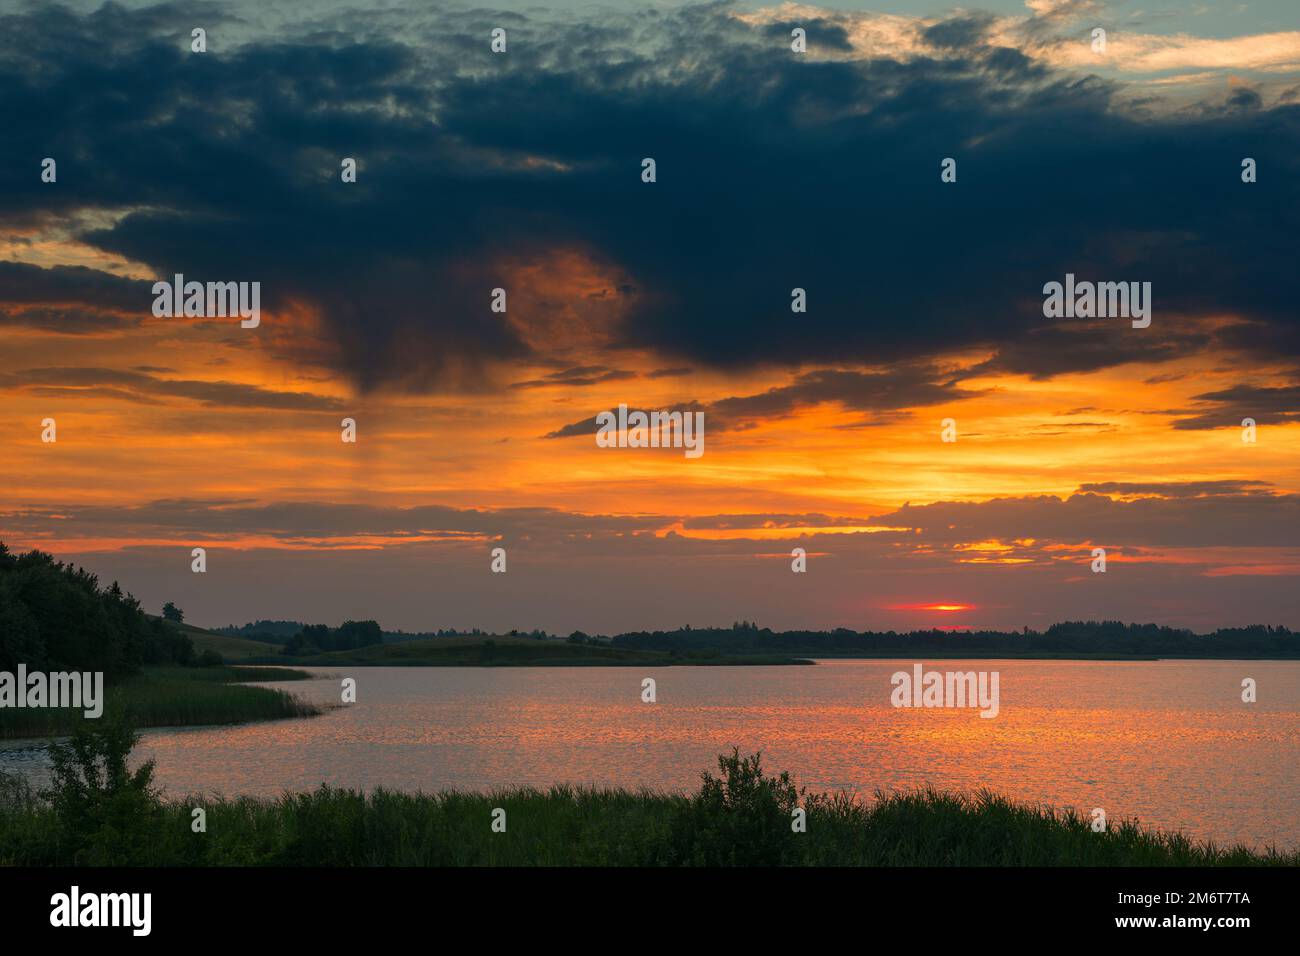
point(232, 649)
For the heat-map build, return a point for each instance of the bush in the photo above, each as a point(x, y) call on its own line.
point(210, 658)
point(742, 818)
point(105, 811)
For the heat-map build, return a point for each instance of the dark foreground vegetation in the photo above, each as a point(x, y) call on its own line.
point(99, 812)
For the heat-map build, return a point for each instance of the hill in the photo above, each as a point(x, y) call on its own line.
point(230, 648)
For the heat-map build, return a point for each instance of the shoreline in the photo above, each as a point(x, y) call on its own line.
point(744, 816)
point(161, 697)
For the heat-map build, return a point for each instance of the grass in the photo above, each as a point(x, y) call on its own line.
point(172, 697)
point(230, 648)
point(742, 817)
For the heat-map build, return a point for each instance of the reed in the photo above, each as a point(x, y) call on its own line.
point(741, 817)
point(172, 697)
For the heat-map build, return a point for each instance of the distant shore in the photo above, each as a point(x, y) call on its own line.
point(480, 651)
point(743, 644)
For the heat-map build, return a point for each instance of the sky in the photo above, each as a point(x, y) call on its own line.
point(775, 170)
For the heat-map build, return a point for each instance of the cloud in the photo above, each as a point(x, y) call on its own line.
point(1059, 349)
point(1176, 489)
point(1227, 407)
point(1192, 515)
point(589, 426)
point(882, 394)
point(141, 387)
point(897, 388)
point(477, 171)
point(1197, 553)
point(1151, 53)
point(70, 299)
point(1223, 519)
point(578, 376)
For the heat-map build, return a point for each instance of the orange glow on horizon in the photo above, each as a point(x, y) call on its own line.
point(932, 607)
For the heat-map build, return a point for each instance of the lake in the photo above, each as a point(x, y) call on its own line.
point(1168, 742)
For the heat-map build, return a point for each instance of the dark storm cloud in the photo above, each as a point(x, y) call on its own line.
point(69, 299)
point(820, 33)
point(21, 283)
point(774, 171)
point(1245, 98)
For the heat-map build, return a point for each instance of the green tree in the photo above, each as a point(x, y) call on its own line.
point(357, 634)
point(57, 617)
point(105, 810)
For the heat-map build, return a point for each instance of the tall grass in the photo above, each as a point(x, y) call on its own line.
point(172, 697)
point(741, 817)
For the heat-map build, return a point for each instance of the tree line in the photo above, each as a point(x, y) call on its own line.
point(315, 638)
point(56, 617)
point(1068, 637)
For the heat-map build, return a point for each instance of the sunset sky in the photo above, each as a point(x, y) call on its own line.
point(775, 170)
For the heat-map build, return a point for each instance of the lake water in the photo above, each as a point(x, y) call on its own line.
point(1168, 742)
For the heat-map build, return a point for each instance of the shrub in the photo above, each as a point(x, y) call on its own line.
point(742, 818)
point(104, 809)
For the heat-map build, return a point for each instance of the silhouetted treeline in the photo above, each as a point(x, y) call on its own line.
point(394, 637)
point(321, 637)
point(275, 632)
point(269, 632)
point(56, 617)
point(1069, 637)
